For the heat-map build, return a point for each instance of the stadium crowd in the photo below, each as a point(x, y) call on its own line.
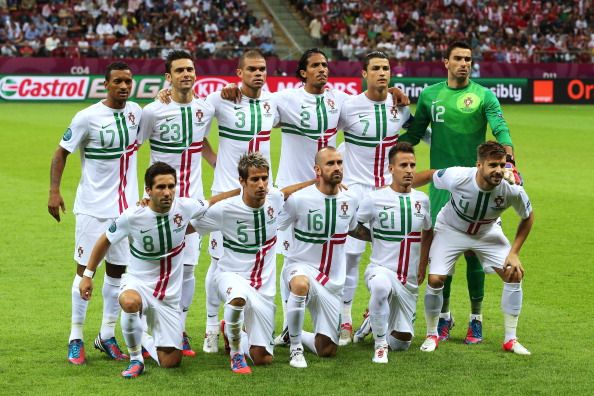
point(130, 29)
point(514, 31)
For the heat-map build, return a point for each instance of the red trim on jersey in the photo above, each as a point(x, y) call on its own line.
point(473, 228)
point(166, 271)
point(124, 164)
point(381, 152)
point(404, 258)
point(327, 253)
point(186, 168)
point(325, 138)
point(256, 276)
point(261, 137)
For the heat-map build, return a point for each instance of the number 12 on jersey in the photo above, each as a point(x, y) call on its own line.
point(437, 112)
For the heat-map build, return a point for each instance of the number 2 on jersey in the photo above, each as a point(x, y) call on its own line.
point(305, 119)
point(173, 130)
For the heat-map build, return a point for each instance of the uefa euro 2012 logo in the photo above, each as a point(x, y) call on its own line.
point(468, 103)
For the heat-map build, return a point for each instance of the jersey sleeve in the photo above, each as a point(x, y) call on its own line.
point(354, 223)
point(445, 179)
point(418, 126)
point(495, 119)
point(210, 110)
point(212, 220)
point(119, 229)
point(344, 116)
point(365, 211)
point(76, 133)
point(199, 208)
point(521, 203)
point(147, 123)
point(427, 222)
point(289, 213)
point(340, 96)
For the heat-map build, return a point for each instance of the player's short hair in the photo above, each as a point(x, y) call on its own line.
point(175, 55)
point(490, 149)
point(319, 153)
point(454, 45)
point(251, 160)
point(373, 55)
point(304, 60)
point(400, 147)
point(115, 66)
point(156, 169)
point(250, 54)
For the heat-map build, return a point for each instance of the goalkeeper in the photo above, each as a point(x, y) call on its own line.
point(459, 110)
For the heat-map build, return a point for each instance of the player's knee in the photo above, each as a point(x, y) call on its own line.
point(325, 347)
point(130, 302)
point(169, 357)
point(436, 281)
point(260, 356)
point(299, 285)
point(402, 336)
point(399, 341)
point(237, 302)
point(379, 288)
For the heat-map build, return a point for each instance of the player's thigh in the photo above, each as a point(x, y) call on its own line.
point(131, 289)
point(87, 231)
point(231, 286)
point(376, 275)
point(284, 241)
point(492, 248)
point(403, 307)
point(165, 322)
point(354, 245)
point(448, 244)
point(215, 245)
point(191, 253)
point(259, 321)
point(324, 307)
point(292, 270)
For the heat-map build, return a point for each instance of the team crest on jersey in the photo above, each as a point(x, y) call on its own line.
point(498, 203)
point(468, 103)
point(394, 112)
point(266, 107)
point(286, 245)
point(229, 289)
point(80, 251)
point(344, 207)
point(199, 116)
point(213, 243)
point(67, 135)
point(331, 105)
point(418, 209)
point(177, 219)
point(132, 118)
point(113, 227)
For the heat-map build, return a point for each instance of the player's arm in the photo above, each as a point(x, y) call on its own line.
point(422, 178)
point(224, 195)
point(231, 92)
point(287, 191)
point(418, 128)
point(399, 98)
point(426, 239)
point(99, 251)
point(513, 270)
point(55, 201)
point(209, 154)
point(361, 232)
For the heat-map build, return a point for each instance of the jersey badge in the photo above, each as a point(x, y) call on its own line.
point(199, 115)
point(394, 112)
point(418, 209)
point(80, 251)
point(213, 243)
point(67, 135)
point(113, 227)
point(498, 203)
point(177, 219)
point(270, 212)
point(229, 289)
point(286, 245)
point(266, 107)
point(132, 118)
point(468, 103)
point(344, 207)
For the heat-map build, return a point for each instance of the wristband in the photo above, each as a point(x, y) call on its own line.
point(88, 273)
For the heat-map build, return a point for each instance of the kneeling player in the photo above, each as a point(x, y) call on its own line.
point(152, 285)
point(401, 235)
point(470, 221)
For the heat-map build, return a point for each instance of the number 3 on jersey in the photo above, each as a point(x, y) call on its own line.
point(437, 112)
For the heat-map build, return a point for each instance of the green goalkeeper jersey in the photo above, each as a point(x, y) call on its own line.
point(458, 119)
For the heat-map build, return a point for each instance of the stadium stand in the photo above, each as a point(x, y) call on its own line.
point(130, 29)
point(514, 31)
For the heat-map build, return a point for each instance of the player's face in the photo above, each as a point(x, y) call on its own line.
point(403, 168)
point(183, 74)
point(329, 167)
point(162, 192)
point(119, 85)
point(491, 170)
point(253, 72)
point(255, 187)
point(459, 63)
point(316, 72)
point(377, 73)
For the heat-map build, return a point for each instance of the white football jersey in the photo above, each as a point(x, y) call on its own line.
point(396, 221)
point(308, 123)
point(156, 243)
point(249, 238)
point(370, 130)
point(243, 128)
point(107, 140)
point(320, 224)
point(472, 210)
point(176, 132)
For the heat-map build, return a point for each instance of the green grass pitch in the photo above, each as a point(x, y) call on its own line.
point(554, 151)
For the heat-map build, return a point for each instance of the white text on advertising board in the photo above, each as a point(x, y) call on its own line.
point(43, 88)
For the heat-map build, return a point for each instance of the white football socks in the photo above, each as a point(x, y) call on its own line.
point(111, 306)
point(79, 311)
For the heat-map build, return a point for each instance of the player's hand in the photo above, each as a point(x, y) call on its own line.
point(512, 175)
point(342, 187)
point(54, 204)
point(231, 92)
point(86, 288)
point(512, 269)
point(143, 203)
point(164, 96)
point(421, 274)
point(399, 98)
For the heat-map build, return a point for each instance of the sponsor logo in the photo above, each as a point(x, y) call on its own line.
point(441, 172)
point(240, 221)
point(169, 119)
point(313, 210)
point(303, 107)
point(67, 135)
point(113, 227)
point(106, 125)
point(388, 207)
point(144, 231)
point(207, 85)
point(236, 107)
point(43, 88)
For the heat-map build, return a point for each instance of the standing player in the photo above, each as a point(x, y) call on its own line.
point(401, 232)
point(470, 221)
point(244, 127)
point(153, 285)
point(459, 110)
point(176, 132)
point(371, 125)
point(320, 217)
point(244, 276)
point(105, 133)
